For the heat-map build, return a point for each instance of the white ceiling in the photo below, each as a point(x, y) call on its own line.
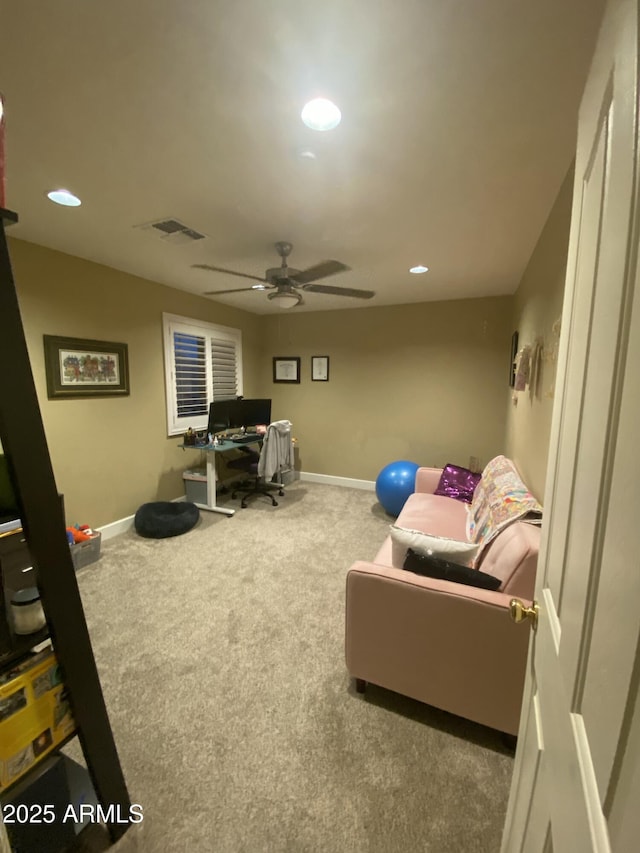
point(459, 121)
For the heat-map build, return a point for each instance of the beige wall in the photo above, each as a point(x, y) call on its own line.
point(537, 305)
point(111, 455)
point(423, 382)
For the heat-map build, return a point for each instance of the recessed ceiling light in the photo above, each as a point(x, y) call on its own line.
point(419, 269)
point(321, 114)
point(64, 197)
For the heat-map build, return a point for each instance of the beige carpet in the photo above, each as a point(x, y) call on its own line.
point(221, 659)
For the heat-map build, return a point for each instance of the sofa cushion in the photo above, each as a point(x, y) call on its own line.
point(384, 557)
point(430, 514)
point(513, 557)
point(439, 546)
point(436, 567)
point(434, 514)
point(457, 483)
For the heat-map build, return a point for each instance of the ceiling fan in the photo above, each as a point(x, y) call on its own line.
point(286, 283)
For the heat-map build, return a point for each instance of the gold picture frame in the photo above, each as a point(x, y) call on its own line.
point(80, 367)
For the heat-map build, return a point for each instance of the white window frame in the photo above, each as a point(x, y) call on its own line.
point(174, 323)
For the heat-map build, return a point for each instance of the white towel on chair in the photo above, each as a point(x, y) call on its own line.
point(277, 450)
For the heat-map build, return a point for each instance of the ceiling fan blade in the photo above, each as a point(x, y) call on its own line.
point(227, 272)
point(236, 290)
point(321, 270)
point(339, 291)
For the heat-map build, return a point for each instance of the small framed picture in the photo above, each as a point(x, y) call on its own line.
point(320, 368)
point(514, 355)
point(286, 369)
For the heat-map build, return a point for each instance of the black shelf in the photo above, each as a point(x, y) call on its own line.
point(8, 217)
point(25, 446)
point(21, 645)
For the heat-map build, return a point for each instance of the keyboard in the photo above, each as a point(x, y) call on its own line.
point(244, 439)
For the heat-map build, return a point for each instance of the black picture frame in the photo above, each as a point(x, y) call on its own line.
point(81, 367)
point(320, 368)
point(512, 364)
point(286, 369)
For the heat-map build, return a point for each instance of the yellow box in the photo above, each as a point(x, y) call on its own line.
point(34, 715)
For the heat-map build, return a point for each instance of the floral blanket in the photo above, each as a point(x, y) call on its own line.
point(500, 499)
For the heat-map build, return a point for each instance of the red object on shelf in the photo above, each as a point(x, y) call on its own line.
point(78, 535)
point(2, 163)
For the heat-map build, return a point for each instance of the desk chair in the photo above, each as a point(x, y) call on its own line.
point(254, 484)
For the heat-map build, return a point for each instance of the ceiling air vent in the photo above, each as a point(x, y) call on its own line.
point(172, 231)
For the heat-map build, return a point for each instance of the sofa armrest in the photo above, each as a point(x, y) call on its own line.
point(427, 479)
point(446, 644)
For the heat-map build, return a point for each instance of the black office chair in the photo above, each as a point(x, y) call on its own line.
point(254, 485)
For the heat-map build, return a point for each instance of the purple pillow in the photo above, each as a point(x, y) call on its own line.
point(458, 483)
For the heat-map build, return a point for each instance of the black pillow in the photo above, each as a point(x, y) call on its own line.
point(161, 519)
point(436, 567)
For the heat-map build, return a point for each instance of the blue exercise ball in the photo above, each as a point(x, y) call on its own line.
point(395, 483)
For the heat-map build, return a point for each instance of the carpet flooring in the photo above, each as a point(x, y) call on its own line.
point(221, 658)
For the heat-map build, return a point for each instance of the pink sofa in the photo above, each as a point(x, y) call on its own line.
point(446, 644)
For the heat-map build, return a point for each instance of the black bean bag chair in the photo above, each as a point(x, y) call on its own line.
point(161, 519)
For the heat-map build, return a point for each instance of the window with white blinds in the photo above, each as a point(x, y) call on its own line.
point(203, 362)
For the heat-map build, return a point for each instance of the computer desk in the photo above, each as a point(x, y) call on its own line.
point(211, 449)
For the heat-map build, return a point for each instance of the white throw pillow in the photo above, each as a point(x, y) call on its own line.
point(437, 546)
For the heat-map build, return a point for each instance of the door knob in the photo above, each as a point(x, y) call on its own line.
point(519, 612)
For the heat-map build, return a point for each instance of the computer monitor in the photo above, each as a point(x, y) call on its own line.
point(254, 412)
point(222, 415)
point(233, 414)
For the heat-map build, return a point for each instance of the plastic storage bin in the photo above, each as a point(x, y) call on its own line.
point(27, 612)
point(287, 477)
point(85, 553)
point(195, 485)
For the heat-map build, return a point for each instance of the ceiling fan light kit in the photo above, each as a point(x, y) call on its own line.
point(286, 282)
point(285, 299)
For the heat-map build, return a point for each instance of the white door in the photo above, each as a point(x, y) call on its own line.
point(576, 783)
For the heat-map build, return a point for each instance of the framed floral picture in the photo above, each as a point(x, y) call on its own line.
point(78, 367)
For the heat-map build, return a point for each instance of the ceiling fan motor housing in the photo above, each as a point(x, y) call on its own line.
point(280, 274)
point(283, 248)
point(286, 283)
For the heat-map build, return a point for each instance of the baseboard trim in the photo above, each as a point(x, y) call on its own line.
point(330, 480)
point(116, 528)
